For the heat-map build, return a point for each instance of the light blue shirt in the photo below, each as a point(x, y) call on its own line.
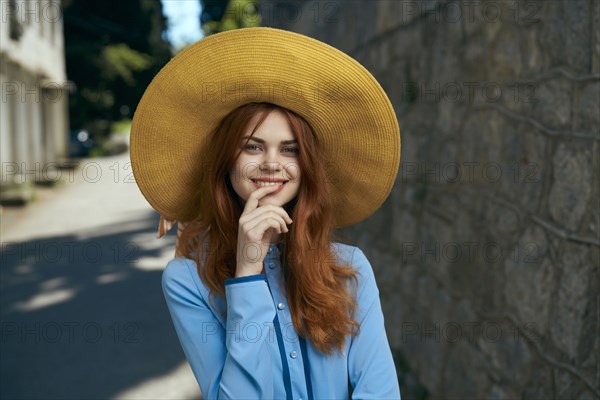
point(254, 351)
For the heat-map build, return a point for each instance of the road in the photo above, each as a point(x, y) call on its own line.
point(82, 310)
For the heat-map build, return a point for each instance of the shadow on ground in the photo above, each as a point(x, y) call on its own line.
point(84, 319)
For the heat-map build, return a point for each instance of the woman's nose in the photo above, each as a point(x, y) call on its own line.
point(270, 166)
point(271, 162)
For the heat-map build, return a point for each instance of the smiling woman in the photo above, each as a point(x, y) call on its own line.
point(265, 301)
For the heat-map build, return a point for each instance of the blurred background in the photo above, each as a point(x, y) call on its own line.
point(486, 253)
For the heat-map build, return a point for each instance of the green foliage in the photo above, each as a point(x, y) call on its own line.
point(122, 127)
point(101, 99)
point(119, 60)
point(239, 14)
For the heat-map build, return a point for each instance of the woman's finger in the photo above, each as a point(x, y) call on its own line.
point(255, 196)
point(256, 222)
point(267, 209)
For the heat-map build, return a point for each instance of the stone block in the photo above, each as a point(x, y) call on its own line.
point(405, 40)
point(408, 287)
point(365, 10)
point(586, 108)
point(506, 354)
point(567, 385)
point(506, 223)
point(402, 232)
point(530, 278)
point(571, 187)
point(463, 313)
point(524, 166)
point(463, 377)
point(541, 383)
point(449, 119)
point(434, 302)
point(474, 56)
point(566, 33)
point(587, 395)
point(393, 305)
point(505, 61)
point(573, 300)
point(447, 40)
point(481, 139)
point(388, 14)
point(498, 393)
point(532, 54)
point(552, 106)
point(430, 367)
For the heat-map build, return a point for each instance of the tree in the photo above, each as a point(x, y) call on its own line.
point(113, 50)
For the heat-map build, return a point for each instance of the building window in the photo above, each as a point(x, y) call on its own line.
point(15, 28)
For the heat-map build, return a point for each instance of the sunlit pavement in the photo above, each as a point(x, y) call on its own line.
point(82, 310)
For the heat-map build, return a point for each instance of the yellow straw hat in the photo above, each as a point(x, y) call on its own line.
point(346, 107)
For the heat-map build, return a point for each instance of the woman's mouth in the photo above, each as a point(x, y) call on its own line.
point(259, 184)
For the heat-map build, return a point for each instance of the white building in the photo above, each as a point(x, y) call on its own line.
point(34, 95)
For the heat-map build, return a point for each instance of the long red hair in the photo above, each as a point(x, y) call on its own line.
point(321, 304)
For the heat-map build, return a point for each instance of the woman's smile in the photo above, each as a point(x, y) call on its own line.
point(258, 183)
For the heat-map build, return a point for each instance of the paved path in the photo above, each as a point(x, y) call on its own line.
point(82, 311)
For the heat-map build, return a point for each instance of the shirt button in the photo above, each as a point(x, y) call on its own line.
point(293, 354)
point(270, 249)
point(271, 265)
point(281, 306)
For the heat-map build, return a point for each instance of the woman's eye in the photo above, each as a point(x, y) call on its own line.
point(294, 150)
point(251, 147)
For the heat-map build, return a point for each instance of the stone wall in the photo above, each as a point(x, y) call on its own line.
point(487, 250)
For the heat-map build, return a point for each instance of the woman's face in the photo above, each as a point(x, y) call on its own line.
point(269, 158)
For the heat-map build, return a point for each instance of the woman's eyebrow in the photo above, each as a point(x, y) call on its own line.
point(262, 141)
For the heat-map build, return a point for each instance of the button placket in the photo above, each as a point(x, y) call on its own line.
point(271, 257)
point(289, 334)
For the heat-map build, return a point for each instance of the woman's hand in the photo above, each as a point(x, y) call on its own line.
point(255, 224)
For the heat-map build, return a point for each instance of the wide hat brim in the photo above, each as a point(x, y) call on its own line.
point(350, 113)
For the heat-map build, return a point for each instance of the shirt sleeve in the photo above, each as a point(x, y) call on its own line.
point(228, 363)
point(371, 366)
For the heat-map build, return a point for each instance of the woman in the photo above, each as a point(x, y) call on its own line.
point(265, 303)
